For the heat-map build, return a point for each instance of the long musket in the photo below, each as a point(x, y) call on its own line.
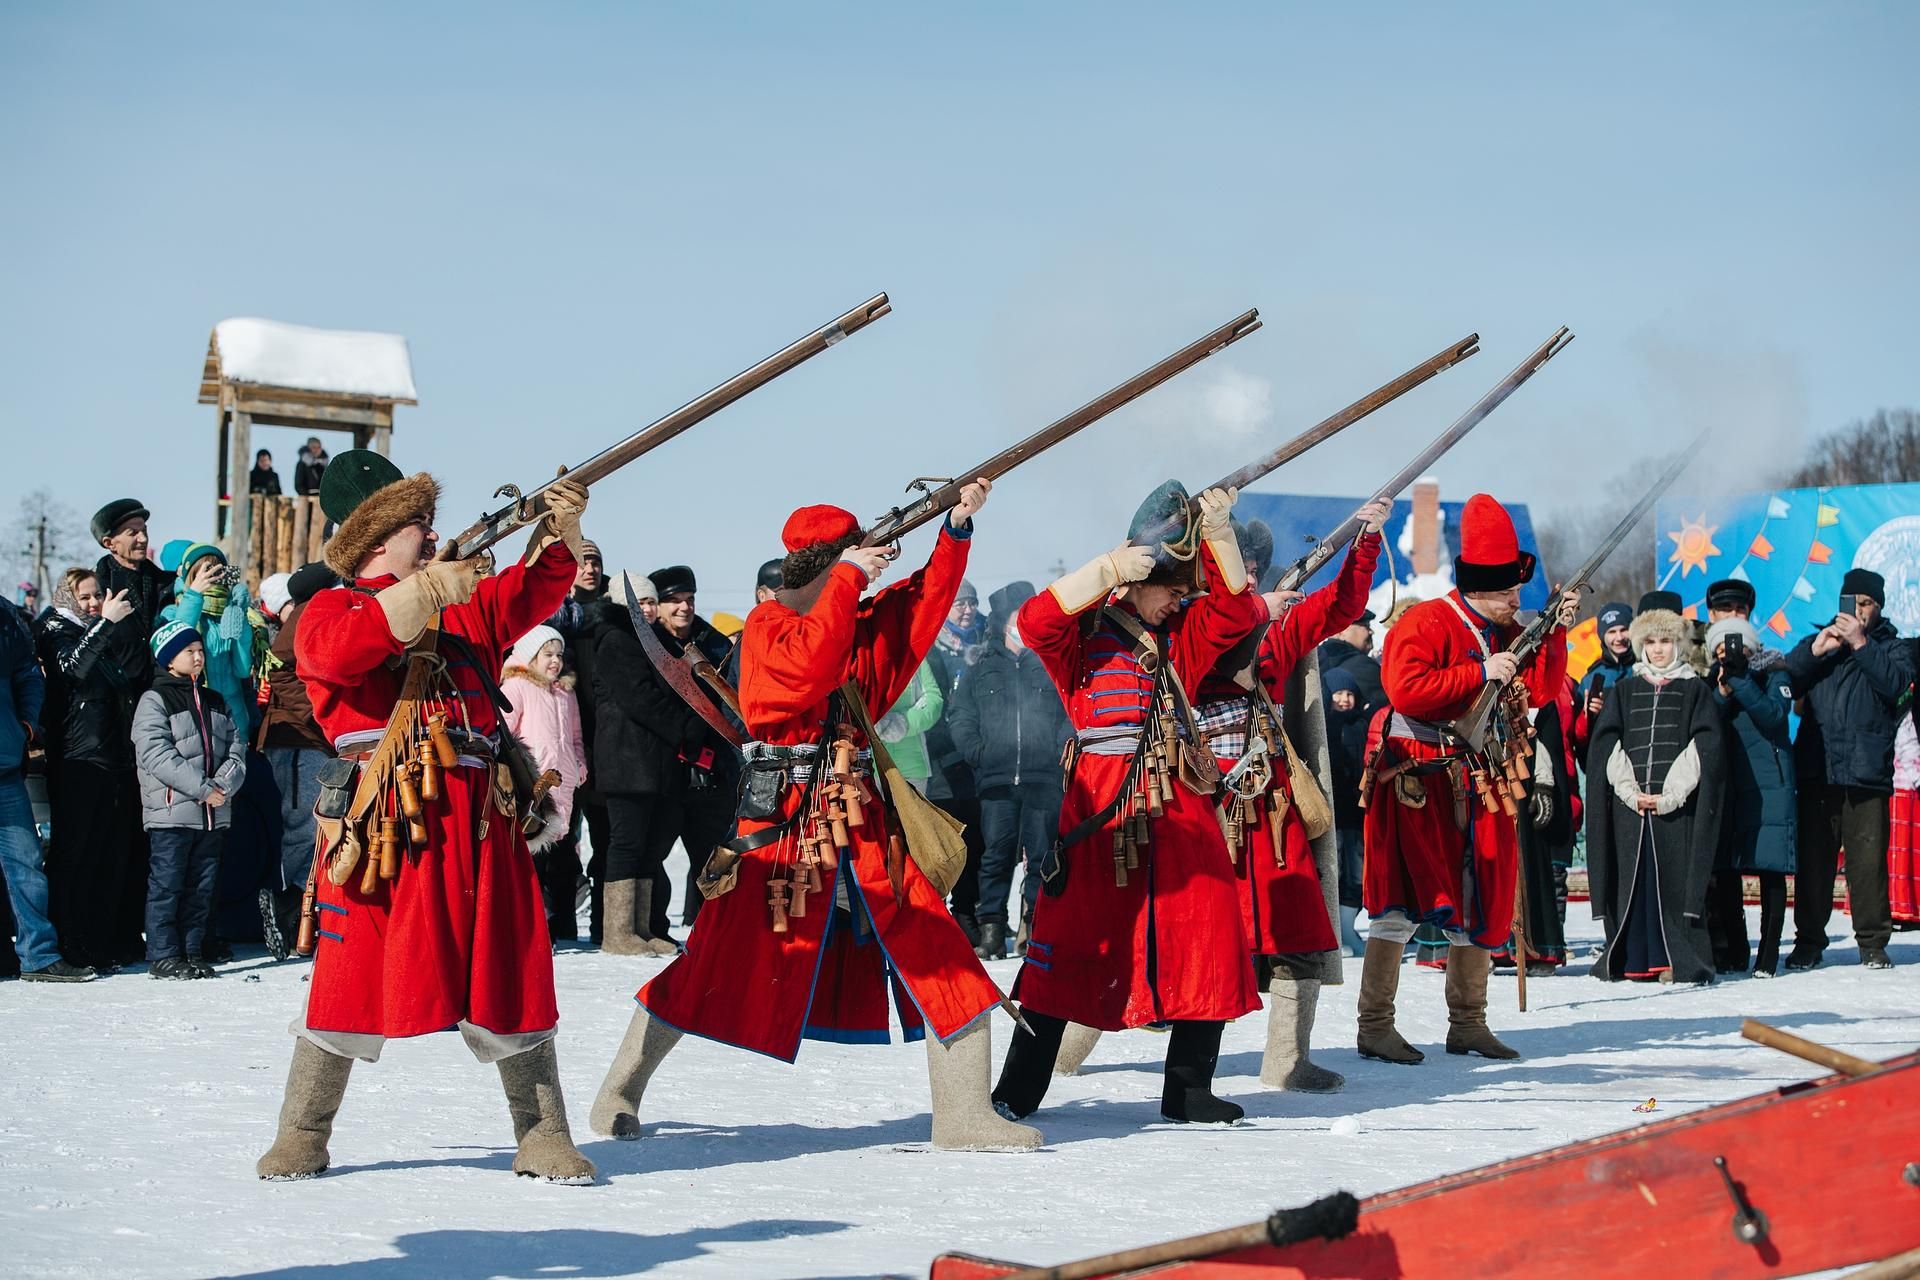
point(524, 509)
point(1327, 428)
point(1477, 726)
point(1302, 570)
point(934, 502)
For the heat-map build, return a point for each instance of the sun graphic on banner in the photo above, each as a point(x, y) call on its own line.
point(1693, 545)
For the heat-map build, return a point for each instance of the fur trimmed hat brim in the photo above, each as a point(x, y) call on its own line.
point(386, 510)
point(1657, 624)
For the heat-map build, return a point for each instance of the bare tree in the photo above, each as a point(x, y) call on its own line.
point(1571, 534)
point(44, 540)
point(1883, 449)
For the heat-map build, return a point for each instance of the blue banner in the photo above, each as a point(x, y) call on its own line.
point(1794, 546)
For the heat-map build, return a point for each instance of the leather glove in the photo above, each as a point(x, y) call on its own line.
point(411, 603)
point(566, 501)
point(1089, 584)
point(1216, 512)
point(1053, 873)
point(1542, 808)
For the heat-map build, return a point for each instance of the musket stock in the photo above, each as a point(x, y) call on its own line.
point(1301, 571)
point(896, 523)
point(524, 509)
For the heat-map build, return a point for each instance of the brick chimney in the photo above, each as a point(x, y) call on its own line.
point(1426, 525)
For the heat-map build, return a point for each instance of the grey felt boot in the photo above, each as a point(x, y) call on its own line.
point(616, 1111)
point(960, 1073)
point(625, 902)
point(316, 1082)
point(532, 1083)
point(1285, 1065)
point(1075, 1045)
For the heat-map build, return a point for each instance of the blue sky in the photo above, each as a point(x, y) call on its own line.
point(583, 215)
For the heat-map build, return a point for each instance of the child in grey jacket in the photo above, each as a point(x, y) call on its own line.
point(191, 762)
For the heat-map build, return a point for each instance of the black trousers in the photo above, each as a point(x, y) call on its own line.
point(592, 814)
point(96, 850)
point(1859, 821)
point(644, 828)
point(965, 898)
point(558, 867)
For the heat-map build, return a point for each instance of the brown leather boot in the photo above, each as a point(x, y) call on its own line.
point(316, 1082)
point(1379, 981)
point(1467, 969)
point(532, 1084)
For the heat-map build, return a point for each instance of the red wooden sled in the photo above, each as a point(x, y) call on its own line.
point(1805, 1178)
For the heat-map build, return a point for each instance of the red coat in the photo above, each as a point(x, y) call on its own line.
point(1415, 858)
point(1167, 945)
point(739, 981)
point(1282, 908)
point(464, 925)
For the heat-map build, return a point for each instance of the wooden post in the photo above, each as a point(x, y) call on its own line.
point(282, 535)
point(240, 462)
point(382, 442)
point(297, 553)
point(257, 545)
point(316, 528)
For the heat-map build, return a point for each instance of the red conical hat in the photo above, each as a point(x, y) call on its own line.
point(1490, 557)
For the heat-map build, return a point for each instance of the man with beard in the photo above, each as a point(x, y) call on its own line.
point(1433, 854)
point(827, 911)
point(665, 773)
point(452, 932)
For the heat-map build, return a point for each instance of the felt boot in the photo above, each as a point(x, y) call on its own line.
point(1379, 981)
point(1186, 1089)
point(1075, 1045)
point(1467, 970)
point(616, 1112)
point(532, 1083)
point(1285, 1064)
point(316, 1082)
point(964, 1118)
point(652, 932)
point(1029, 1066)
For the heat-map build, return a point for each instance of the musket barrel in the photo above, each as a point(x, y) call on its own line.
point(900, 521)
point(494, 527)
point(1302, 570)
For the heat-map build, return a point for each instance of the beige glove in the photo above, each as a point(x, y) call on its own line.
point(1216, 526)
point(1089, 584)
point(561, 523)
point(411, 603)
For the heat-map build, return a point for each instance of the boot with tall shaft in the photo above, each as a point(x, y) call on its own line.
point(1467, 970)
point(616, 1111)
point(1379, 982)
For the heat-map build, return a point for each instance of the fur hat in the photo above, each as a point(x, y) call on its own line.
point(368, 499)
point(1168, 511)
point(528, 646)
point(1665, 600)
point(1256, 546)
point(1734, 626)
point(107, 520)
point(674, 578)
point(1490, 557)
point(1656, 624)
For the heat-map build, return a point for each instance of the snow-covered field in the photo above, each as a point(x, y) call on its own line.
point(131, 1112)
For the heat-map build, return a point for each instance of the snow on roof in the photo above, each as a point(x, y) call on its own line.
point(341, 361)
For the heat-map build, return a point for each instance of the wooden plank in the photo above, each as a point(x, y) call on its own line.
point(316, 529)
point(239, 461)
point(256, 545)
point(297, 552)
point(280, 412)
point(283, 536)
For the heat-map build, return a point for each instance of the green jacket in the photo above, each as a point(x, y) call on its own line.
point(917, 711)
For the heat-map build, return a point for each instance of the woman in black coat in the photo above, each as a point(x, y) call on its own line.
point(1653, 811)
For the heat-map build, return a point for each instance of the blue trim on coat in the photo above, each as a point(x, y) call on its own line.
point(331, 906)
point(336, 937)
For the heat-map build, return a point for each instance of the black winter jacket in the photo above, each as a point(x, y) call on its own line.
point(88, 714)
point(1007, 720)
point(1338, 655)
point(645, 738)
point(149, 589)
point(1851, 710)
point(951, 779)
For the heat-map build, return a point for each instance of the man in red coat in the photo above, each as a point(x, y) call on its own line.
point(810, 941)
point(1131, 932)
point(1434, 855)
point(458, 938)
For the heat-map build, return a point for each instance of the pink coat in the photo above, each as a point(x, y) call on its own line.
point(546, 716)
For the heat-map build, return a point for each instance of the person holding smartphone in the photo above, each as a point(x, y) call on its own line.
point(1851, 675)
point(1750, 683)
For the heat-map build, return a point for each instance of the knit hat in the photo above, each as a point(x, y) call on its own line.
point(274, 592)
point(727, 624)
point(1490, 557)
point(528, 646)
point(1731, 593)
point(1668, 601)
point(643, 588)
point(169, 640)
point(368, 499)
point(1656, 624)
point(309, 580)
point(107, 520)
point(1615, 614)
point(588, 547)
point(821, 523)
point(1865, 582)
point(967, 591)
point(1736, 626)
point(673, 579)
point(1334, 681)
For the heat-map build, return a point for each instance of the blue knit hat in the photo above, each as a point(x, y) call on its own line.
point(1616, 614)
point(169, 640)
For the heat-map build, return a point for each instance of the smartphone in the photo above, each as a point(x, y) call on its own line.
point(1734, 647)
point(1847, 605)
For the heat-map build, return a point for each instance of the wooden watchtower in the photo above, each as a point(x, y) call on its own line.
point(314, 380)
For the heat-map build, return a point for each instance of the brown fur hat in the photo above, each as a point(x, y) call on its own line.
point(1661, 624)
point(376, 517)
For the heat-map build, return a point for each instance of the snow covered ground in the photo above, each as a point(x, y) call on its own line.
point(131, 1113)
